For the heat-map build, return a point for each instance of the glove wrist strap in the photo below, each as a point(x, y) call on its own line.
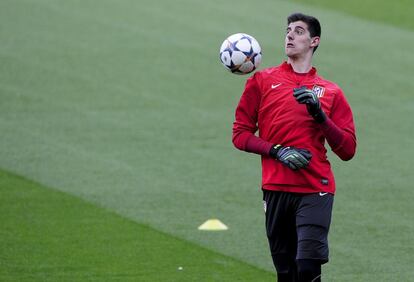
point(274, 150)
point(319, 117)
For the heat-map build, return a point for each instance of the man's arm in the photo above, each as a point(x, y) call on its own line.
point(338, 129)
point(245, 124)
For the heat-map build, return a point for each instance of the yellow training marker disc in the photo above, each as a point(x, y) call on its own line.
point(213, 225)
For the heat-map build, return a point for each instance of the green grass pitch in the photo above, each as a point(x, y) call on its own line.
point(116, 124)
point(51, 236)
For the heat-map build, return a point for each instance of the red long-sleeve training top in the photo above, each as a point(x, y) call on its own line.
point(267, 105)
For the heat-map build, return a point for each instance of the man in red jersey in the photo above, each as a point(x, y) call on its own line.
point(295, 111)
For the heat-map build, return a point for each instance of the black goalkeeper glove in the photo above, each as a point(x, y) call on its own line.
point(292, 157)
point(313, 105)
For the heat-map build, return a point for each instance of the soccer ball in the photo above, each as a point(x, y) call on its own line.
point(240, 53)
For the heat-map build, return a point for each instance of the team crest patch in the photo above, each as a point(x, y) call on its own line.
point(319, 90)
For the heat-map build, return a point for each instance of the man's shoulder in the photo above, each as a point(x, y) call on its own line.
point(327, 84)
point(269, 71)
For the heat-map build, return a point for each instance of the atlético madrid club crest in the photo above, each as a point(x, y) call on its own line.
point(319, 90)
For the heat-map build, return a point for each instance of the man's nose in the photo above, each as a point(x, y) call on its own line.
point(289, 35)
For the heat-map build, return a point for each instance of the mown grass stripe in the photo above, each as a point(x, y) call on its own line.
point(397, 12)
point(48, 235)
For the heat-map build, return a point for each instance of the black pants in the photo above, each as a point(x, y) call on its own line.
point(297, 226)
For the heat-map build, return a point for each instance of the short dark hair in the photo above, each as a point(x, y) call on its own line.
point(314, 26)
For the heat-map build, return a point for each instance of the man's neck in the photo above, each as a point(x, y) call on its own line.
point(300, 65)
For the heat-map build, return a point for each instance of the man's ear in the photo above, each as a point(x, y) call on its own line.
point(315, 41)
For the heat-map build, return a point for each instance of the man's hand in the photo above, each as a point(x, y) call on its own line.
point(292, 157)
point(313, 105)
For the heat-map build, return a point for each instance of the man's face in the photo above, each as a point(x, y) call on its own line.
point(298, 40)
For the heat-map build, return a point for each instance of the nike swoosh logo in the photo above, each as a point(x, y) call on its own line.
point(322, 194)
point(276, 85)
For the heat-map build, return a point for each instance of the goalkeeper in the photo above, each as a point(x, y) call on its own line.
point(295, 111)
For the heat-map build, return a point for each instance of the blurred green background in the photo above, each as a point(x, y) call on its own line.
point(116, 119)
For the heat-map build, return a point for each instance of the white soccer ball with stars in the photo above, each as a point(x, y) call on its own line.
point(240, 53)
